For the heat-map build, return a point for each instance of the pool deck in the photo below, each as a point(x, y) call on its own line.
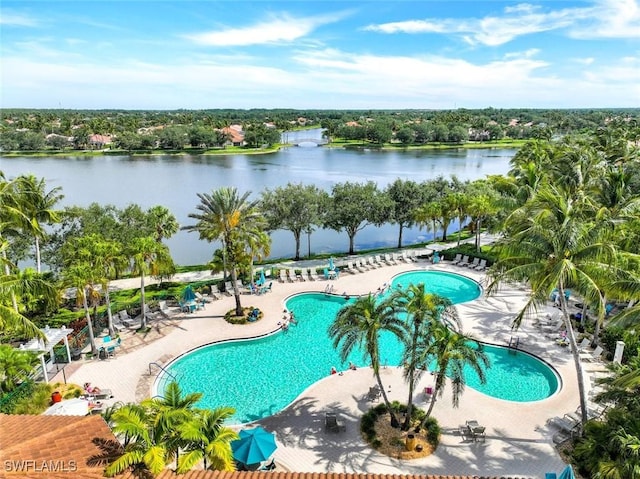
point(519, 441)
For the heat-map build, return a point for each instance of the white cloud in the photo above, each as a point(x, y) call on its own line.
point(611, 19)
point(584, 61)
point(17, 19)
point(281, 28)
point(531, 52)
point(604, 19)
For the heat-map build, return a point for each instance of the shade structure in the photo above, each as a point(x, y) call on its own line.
point(331, 265)
point(254, 446)
point(70, 407)
point(188, 294)
point(567, 473)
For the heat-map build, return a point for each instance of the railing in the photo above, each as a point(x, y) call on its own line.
point(159, 366)
point(514, 342)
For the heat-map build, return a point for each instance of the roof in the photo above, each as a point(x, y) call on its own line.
point(53, 447)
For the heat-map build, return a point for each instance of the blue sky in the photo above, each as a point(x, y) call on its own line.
point(320, 54)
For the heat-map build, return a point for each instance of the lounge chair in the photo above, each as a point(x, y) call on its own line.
point(564, 424)
point(405, 257)
point(593, 356)
point(117, 322)
point(303, 274)
point(473, 264)
point(291, 275)
point(215, 292)
point(482, 265)
point(584, 344)
point(350, 268)
point(457, 259)
point(97, 393)
point(361, 267)
point(313, 275)
point(389, 259)
point(372, 263)
point(332, 424)
point(379, 260)
point(464, 261)
point(282, 275)
point(201, 298)
point(228, 288)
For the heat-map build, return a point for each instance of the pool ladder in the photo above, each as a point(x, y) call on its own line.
point(514, 342)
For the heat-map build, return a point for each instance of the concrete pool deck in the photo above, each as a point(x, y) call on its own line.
point(518, 442)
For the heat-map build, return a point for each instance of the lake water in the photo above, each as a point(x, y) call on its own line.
point(173, 181)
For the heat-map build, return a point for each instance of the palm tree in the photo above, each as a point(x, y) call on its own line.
point(452, 351)
point(37, 205)
point(162, 222)
point(423, 310)
point(148, 258)
point(551, 243)
point(226, 216)
point(209, 441)
point(429, 215)
point(360, 324)
point(15, 366)
point(82, 277)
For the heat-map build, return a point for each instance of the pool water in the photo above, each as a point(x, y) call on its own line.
point(261, 377)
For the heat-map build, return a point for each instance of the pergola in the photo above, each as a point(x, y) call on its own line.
point(53, 337)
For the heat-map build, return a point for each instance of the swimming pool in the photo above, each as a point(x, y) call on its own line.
point(261, 377)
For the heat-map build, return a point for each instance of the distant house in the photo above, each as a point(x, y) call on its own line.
point(235, 135)
point(100, 141)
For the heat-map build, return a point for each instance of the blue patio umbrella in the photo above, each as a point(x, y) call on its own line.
point(567, 473)
point(188, 294)
point(254, 446)
point(331, 266)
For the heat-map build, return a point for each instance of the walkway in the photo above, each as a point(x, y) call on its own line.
point(518, 443)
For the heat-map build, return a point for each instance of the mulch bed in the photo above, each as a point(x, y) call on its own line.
point(394, 440)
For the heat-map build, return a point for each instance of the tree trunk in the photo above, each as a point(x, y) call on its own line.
point(143, 325)
point(459, 230)
point(296, 236)
point(236, 292)
point(394, 418)
point(112, 331)
point(400, 236)
point(575, 353)
point(351, 242)
point(92, 339)
point(37, 245)
point(478, 224)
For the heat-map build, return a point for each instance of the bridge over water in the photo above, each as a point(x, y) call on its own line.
point(308, 142)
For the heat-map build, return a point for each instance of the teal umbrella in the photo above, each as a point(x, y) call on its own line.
point(567, 473)
point(254, 446)
point(188, 294)
point(331, 266)
point(262, 279)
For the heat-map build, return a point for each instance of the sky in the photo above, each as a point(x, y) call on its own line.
point(319, 54)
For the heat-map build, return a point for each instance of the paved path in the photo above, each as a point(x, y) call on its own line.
point(519, 442)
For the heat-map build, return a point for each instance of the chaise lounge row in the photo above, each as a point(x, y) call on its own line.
point(477, 263)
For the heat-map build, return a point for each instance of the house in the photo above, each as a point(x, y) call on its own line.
point(235, 135)
point(100, 141)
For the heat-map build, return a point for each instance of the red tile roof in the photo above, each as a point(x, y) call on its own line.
point(300, 475)
point(52, 447)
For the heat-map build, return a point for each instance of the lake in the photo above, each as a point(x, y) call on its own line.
point(173, 181)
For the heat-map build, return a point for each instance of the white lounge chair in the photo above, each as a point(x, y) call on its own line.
point(228, 288)
point(291, 275)
point(379, 261)
point(482, 265)
point(389, 259)
point(350, 268)
point(464, 261)
point(312, 274)
point(593, 356)
point(361, 267)
point(457, 259)
point(473, 264)
point(584, 344)
point(282, 275)
point(372, 263)
point(215, 292)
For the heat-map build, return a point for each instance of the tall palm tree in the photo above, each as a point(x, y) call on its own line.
point(148, 258)
point(82, 277)
point(428, 215)
point(423, 310)
point(226, 216)
point(37, 205)
point(452, 351)
point(360, 324)
point(551, 243)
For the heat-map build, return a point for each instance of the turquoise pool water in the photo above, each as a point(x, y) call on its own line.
point(260, 377)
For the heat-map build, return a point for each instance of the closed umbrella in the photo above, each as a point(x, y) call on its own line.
point(188, 294)
point(254, 446)
point(70, 407)
point(331, 266)
point(262, 279)
point(567, 473)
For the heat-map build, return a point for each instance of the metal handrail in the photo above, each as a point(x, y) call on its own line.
point(162, 369)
